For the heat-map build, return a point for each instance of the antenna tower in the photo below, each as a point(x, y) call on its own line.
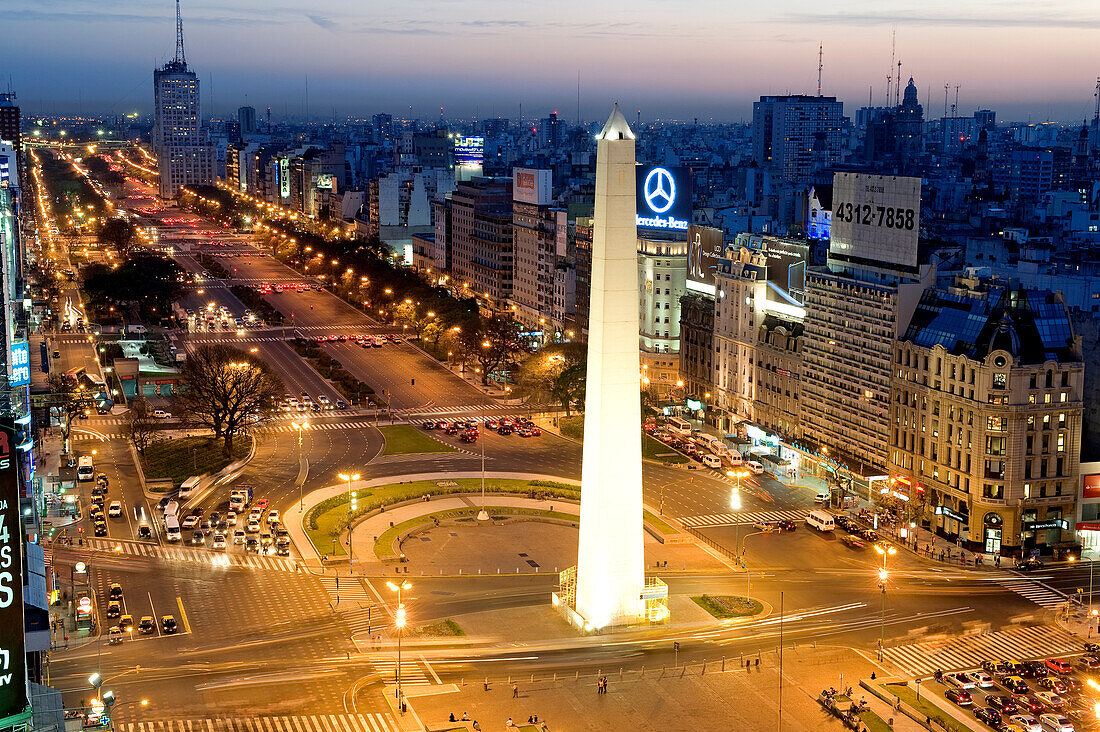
point(819, 64)
point(889, 78)
point(181, 57)
point(945, 88)
point(897, 87)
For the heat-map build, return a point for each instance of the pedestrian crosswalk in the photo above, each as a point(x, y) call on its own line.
point(347, 592)
point(193, 556)
point(1033, 590)
point(1021, 644)
point(415, 671)
point(456, 409)
point(370, 722)
point(738, 519)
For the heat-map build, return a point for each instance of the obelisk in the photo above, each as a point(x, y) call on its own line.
point(611, 564)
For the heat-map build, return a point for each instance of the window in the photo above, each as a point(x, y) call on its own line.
point(1032, 381)
point(996, 424)
point(996, 445)
point(1000, 381)
point(1030, 398)
point(1046, 421)
point(1031, 421)
point(1061, 442)
point(1063, 397)
point(1061, 419)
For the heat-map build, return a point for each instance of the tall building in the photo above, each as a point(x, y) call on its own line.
point(246, 118)
point(662, 280)
point(481, 237)
point(9, 124)
point(538, 240)
point(795, 136)
point(184, 155)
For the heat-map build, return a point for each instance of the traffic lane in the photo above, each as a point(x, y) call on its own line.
point(297, 375)
point(409, 377)
point(113, 459)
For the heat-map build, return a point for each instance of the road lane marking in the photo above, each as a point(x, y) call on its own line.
point(183, 616)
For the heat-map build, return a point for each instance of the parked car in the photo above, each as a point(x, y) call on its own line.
point(990, 716)
point(959, 696)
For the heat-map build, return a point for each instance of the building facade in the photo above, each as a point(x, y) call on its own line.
point(662, 278)
point(795, 135)
point(184, 155)
point(481, 237)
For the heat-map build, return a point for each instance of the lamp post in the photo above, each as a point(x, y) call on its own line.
point(300, 427)
point(883, 575)
point(349, 477)
point(399, 621)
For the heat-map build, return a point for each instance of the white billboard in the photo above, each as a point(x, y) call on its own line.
point(876, 219)
point(532, 185)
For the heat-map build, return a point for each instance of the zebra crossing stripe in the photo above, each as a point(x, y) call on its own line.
point(969, 652)
point(730, 519)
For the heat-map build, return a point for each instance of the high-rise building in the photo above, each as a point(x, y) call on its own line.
point(184, 155)
point(9, 125)
point(246, 117)
point(795, 136)
point(538, 239)
point(481, 237)
point(662, 280)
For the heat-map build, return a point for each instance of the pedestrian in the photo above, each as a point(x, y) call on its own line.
point(997, 560)
point(515, 691)
point(509, 723)
point(477, 727)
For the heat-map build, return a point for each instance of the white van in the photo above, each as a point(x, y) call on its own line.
point(821, 520)
point(755, 467)
point(85, 468)
point(172, 528)
point(712, 443)
point(733, 458)
point(189, 486)
point(712, 461)
point(171, 509)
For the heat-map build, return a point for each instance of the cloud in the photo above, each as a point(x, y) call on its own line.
point(1038, 20)
point(321, 22)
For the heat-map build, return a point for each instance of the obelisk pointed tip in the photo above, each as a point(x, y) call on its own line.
point(616, 127)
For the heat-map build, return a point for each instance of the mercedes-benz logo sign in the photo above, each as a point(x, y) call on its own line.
point(660, 190)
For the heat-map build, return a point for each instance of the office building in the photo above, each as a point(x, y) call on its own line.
point(481, 238)
point(9, 125)
point(246, 118)
point(697, 345)
point(985, 417)
point(795, 136)
point(538, 241)
point(662, 278)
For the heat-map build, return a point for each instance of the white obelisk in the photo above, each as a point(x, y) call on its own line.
point(611, 565)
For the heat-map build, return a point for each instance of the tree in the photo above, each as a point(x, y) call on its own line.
point(120, 234)
point(227, 391)
point(569, 387)
point(144, 286)
point(539, 372)
point(143, 428)
point(67, 399)
point(492, 343)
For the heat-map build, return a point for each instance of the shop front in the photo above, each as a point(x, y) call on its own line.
point(992, 532)
point(950, 523)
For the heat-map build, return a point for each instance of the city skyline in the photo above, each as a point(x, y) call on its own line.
point(348, 61)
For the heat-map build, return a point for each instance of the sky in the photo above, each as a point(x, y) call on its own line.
point(671, 59)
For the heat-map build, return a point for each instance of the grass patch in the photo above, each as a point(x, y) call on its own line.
point(728, 606)
point(179, 458)
point(873, 722)
point(444, 628)
point(658, 523)
point(926, 708)
point(330, 517)
point(651, 449)
point(572, 426)
point(404, 439)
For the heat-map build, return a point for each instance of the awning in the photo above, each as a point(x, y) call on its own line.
point(776, 460)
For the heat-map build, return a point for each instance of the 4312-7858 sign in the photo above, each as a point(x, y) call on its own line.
point(876, 219)
point(868, 214)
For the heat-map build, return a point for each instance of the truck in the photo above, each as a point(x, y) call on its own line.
point(240, 497)
point(85, 468)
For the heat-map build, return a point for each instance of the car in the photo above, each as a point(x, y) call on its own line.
point(1055, 684)
point(115, 591)
point(1028, 703)
point(222, 526)
point(981, 679)
point(997, 668)
point(214, 517)
point(428, 425)
point(239, 536)
point(959, 696)
point(1088, 663)
point(115, 509)
point(315, 408)
point(1015, 684)
point(1050, 700)
point(958, 680)
point(1026, 722)
point(231, 518)
point(989, 715)
point(1059, 665)
point(100, 530)
point(102, 482)
point(126, 622)
point(267, 539)
point(1001, 703)
point(341, 404)
point(853, 541)
point(145, 532)
point(766, 526)
point(869, 534)
point(1034, 670)
point(534, 432)
point(282, 546)
point(219, 541)
point(252, 544)
point(1091, 647)
point(273, 516)
point(261, 504)
point(1028, 565)
point(470, 436)
point(114, 609)
point(253, 527)
point(197, 537)
point(1056, 723)
point(146, 625)
point(168, 624)
point(189, 522)
point(504, 429)
point(205, 527)
point(492, 424)
point(160, 414)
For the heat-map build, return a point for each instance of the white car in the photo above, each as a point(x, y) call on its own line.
point(755, 467)
point(238, 536)
point(1056, 723)
point(1026, 722)
point(1052, 700)
point(273, 516)
point(253, 527)
point(115, 509)
point(190, 522)
point(160, 414)
point(959, 681)
point(231, 518)
point(219, 541)
point(981, 678)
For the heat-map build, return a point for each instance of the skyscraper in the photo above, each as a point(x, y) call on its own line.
point(183, 153)
point(246, 116)
point(794, 136)
point(9, 123)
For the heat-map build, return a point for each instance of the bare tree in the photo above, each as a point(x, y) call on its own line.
point(492, 343)
point(227, 391)
point(67, 399)
point(143, 428)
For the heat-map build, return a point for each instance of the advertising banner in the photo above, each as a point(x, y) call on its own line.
point(876, 219)
point(664, 197)
point(13, 672)
point(1090, 486)
point(705, 248)
point(532, 185)
point(20, 364)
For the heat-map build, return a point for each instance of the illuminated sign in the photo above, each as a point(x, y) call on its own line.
point(786, 277)
point(469, 151)
point(284, 177)
point(325, 182)
point(876, 219)
point(1090, 486)
point(664, 198)
point(20, 364)
point(705, 247)
point(13, 672)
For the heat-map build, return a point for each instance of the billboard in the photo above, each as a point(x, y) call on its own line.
point(13, 671)
point(664, 197)
point(785, 293)
point(876, 219)
point(705, 248)
point(531, 185)
point(20, 364)
point(1090, 486)
point(469, 151)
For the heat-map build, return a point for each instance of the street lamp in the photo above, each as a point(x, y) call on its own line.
point(883, 575)
point(299, 427)
point(349, 477)
point(399, 620)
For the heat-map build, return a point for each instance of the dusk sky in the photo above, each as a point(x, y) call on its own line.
point(1027, 59)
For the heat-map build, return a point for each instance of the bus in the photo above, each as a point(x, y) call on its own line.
point(680, 426)
point(85, 468)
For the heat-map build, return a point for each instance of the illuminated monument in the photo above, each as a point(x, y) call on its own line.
point(608, 588)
